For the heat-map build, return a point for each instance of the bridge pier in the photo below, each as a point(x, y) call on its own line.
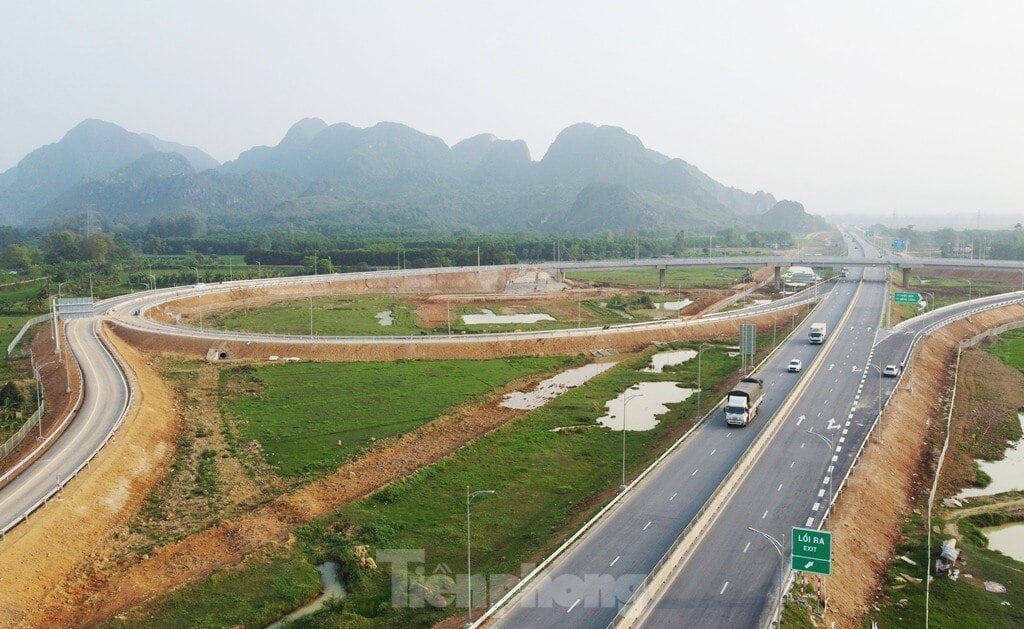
point(778, 278)
point(661, 277)
point(906, 277)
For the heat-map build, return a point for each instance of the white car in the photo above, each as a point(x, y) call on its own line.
point(795, 365)
point(891, 371)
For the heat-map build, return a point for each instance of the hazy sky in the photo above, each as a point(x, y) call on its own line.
point(873, 106)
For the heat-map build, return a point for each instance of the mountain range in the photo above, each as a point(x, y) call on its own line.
point(388, 176)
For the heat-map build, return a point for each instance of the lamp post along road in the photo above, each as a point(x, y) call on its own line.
point(930, 304)
point(625, 400)
point(700, 352)
point(469, 550)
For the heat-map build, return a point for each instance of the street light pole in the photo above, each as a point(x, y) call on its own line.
point(970, 289)
point(700, 352)
point(625, 400)
point(931, 302)
point(469, 550)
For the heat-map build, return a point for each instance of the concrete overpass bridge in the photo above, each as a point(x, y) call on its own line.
point(906, 264)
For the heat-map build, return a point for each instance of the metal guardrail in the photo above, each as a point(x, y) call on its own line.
point(42, 447)
point(28, 324)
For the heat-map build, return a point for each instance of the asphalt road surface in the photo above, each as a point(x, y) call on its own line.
point(732, 577)
point(105, 399)
point(626, 544)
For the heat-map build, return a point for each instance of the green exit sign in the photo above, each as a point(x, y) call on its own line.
point(906, 298)
point(812, 551)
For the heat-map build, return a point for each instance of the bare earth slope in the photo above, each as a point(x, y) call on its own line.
point(871, 510)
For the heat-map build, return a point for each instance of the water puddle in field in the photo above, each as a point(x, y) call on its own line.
point(386, 318)
point(643, 403)
point(554, 386)
point(675, 305)
point(1007, 539)
point(332, 589)
point(488, 316)
point(666, 359)
point(1007, 474)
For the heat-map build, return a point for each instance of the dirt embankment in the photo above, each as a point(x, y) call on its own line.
point(39, 564)
point(484, 280)
point(895, 470)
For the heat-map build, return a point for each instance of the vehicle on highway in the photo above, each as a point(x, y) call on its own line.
point(817, 335)
point(744, 401)
point(795, 365)
point(891, 371)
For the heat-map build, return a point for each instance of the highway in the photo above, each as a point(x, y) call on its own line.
point(102, 408)
point(729, 575)
point(731, 578)
point(625, 545)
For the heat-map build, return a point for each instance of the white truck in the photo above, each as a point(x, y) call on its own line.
point(743, 401)
point(817, 335)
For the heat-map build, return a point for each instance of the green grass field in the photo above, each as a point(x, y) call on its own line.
point(1010, 348)
point(233, 598)
point(674, 277)
point(310, 417)
point(356, 315)
point(332, 316)
point(545, 482)
point(954, 604)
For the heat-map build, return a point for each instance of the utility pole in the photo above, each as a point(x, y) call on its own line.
point(311, 317)
point(56, 331)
